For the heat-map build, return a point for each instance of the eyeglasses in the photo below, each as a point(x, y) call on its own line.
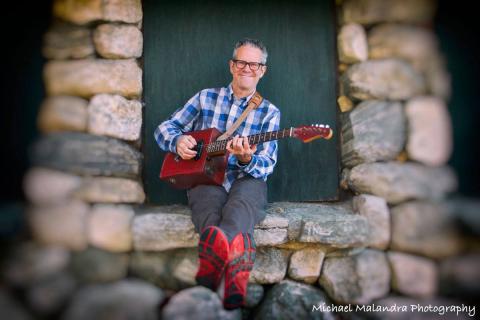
point(254, 66)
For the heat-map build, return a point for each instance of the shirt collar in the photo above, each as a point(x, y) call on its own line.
point(231, 97)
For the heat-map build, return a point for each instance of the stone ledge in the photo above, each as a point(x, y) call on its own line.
point(335, 226)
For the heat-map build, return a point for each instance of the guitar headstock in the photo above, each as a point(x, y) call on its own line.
point(310, 133)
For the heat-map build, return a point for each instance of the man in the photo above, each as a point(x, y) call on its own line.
point(226, 215)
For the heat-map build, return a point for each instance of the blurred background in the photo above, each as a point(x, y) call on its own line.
point(23, 27)
point(22, 89)
point(22, 94)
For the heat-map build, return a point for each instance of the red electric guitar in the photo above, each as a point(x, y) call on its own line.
point(210, 163)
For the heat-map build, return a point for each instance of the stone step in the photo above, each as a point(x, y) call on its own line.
point(333, 225)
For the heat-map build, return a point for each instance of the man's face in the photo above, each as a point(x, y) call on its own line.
point(246, 78)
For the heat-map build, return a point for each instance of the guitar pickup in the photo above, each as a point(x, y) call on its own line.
point(199, 149)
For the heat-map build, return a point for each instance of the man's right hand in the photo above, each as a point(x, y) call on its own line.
point(184, 147)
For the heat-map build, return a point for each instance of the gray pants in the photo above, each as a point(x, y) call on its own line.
point(237, 211)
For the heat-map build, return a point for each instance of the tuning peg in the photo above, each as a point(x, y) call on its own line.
point(327, 126)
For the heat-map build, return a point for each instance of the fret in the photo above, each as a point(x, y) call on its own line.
point(218, 146)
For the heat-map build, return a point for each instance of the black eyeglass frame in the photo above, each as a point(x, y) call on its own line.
point(235, 62)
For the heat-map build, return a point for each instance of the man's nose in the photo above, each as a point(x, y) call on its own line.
point(249, 70)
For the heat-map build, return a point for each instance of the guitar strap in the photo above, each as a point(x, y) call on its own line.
point(254, 102)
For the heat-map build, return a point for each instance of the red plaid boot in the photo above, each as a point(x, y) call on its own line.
point(213, 252)
point(241, 259)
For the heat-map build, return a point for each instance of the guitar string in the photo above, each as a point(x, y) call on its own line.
point(221, 145)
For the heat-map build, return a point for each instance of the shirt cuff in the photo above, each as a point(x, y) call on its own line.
point(248, 167)
point(173, 145)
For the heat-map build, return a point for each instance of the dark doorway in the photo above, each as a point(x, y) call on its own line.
point(187, 47)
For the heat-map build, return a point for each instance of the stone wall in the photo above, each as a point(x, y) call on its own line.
point(96, 248)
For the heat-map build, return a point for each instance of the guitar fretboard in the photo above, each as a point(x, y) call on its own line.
point(253, 139)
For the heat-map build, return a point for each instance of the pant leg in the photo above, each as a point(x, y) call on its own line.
point(206, 203)
point(245, 206)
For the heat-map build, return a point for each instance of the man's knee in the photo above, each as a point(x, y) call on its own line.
point(206, 196)
point(206, 203)
point(249, 192)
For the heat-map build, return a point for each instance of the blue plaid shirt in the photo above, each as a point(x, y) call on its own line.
point(218, 108)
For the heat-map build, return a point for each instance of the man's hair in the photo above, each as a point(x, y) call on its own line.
point(253, 43)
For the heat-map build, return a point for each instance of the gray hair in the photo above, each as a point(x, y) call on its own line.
point(253, 43)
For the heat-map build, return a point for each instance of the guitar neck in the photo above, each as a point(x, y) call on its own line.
point(221, 146)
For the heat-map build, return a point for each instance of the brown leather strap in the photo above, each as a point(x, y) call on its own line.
point(254, 102)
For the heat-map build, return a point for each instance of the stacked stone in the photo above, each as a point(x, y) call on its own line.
point(396, 141)
point(98, 249)
point(86, 170)
point(86, 174)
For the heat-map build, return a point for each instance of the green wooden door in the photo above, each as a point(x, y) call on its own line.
point(187, 47)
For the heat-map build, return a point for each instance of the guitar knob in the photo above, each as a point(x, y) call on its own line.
point(177, 158)
point(209, 171)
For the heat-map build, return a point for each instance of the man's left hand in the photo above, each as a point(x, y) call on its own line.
point(240, 147)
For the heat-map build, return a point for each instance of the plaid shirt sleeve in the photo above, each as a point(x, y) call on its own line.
point(264, 159)
point(182, 120)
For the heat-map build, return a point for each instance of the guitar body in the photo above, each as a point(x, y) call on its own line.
point(210, 168)
point(202, 169)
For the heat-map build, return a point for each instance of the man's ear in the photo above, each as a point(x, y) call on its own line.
point(264, 71)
